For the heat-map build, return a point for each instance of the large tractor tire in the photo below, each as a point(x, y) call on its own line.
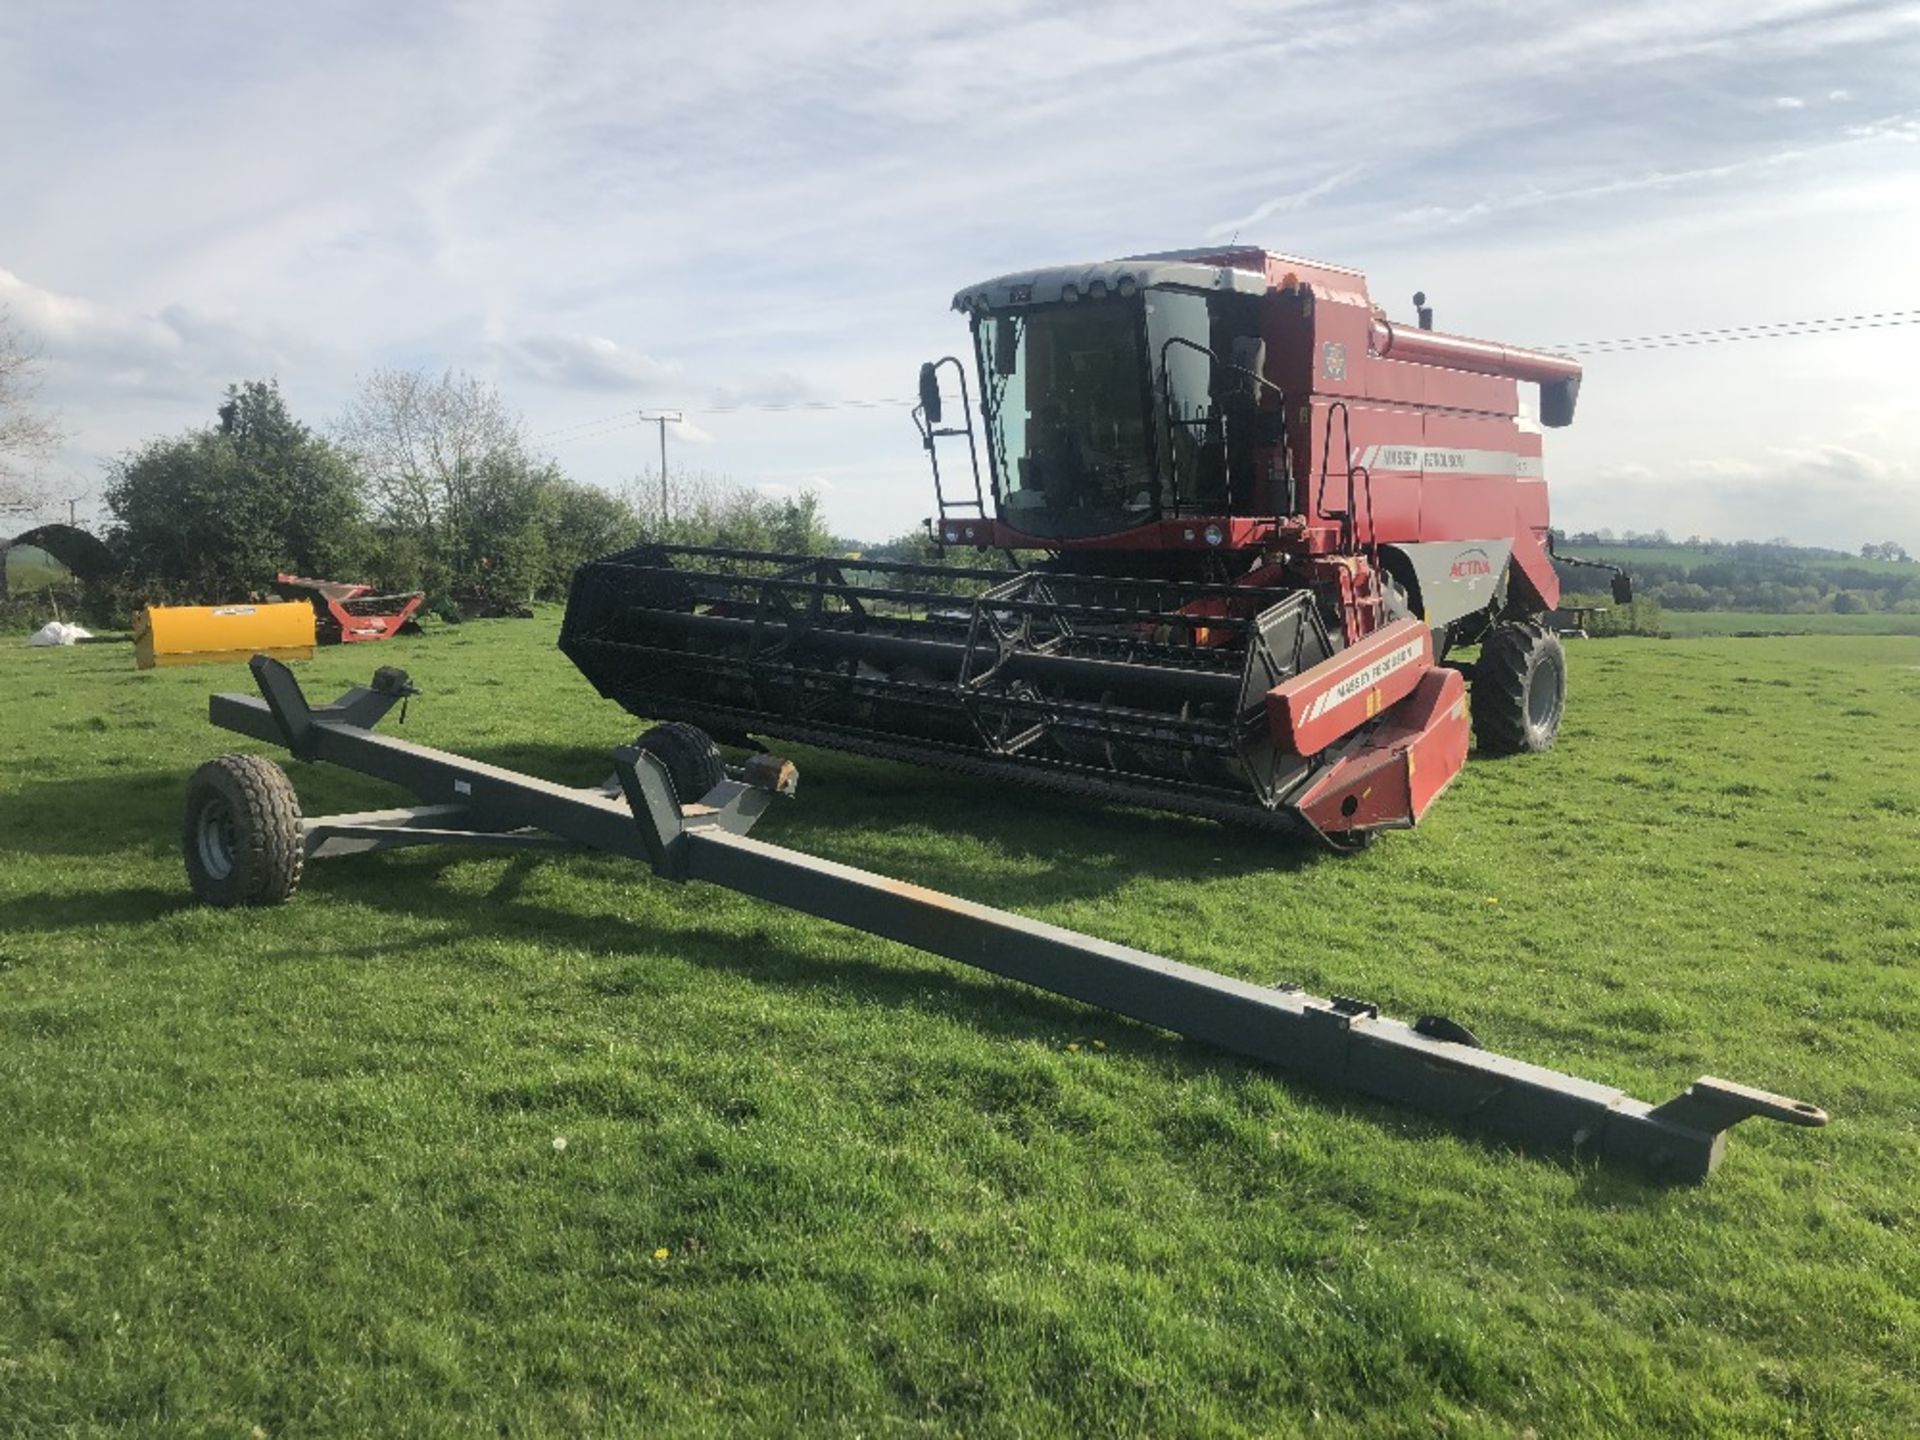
point(1519, 689)
point(241, 836)
point(688, 752)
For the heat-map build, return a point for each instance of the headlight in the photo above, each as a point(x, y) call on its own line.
point(1212, 535)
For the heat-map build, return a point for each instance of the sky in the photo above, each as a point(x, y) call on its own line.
point(606, 207)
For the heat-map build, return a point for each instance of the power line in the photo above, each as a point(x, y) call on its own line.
point(627, 415)
point(777, 405)
point(629, 421)
point(626, 420)
point(1770, 330)
point(1677, 339)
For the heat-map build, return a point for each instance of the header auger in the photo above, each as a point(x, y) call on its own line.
point(1258, 516)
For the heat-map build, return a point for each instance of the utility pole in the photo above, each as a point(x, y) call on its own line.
point(663, 418)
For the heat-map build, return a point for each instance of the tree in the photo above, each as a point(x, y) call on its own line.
point(27, 433)
point(583, 523)
point(213, 514)
point(447, 467)
point(799, 528)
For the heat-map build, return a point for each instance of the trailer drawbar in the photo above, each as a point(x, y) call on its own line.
point(673, 804)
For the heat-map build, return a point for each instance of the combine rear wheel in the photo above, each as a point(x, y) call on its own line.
point(691, 758)
point(1519, 689)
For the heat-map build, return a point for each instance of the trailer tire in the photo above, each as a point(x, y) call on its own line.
point(691, 757)
point(241, 836)
point(1519, 690)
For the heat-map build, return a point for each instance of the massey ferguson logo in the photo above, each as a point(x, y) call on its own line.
point(1378, 671)
point(1471, 568)
point(1365, 678)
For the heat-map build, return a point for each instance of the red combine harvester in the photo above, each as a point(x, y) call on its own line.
point(346, 613)
point(1259, 515)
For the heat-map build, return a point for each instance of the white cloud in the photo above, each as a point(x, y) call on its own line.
point(1825, 494)
point(178, 352)
point(588, 362)
point(1283, 204)
point(1789, 102)
point(1536, 197)
point(792, 490)
point(603, 207)
point(1902, 128)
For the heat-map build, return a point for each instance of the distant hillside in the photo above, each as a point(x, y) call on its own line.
point(1772, 576)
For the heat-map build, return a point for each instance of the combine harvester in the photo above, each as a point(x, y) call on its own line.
point(1231, 621)
point(1265, 514)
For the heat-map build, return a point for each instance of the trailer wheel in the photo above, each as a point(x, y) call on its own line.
point(691, 758)
point(1519, 689)
point(241, 837)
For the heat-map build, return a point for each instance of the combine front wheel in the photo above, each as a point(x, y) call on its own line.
point(1519, 689)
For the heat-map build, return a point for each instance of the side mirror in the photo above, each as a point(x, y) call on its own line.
point(930, 392)
point(1622, 590)
point(1557, 401)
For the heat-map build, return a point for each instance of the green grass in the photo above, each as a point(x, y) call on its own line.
point(1683, 624)
point(295, 1171)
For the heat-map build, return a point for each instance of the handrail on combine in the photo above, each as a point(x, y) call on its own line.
point(927, 422)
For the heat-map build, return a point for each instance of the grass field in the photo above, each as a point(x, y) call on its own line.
point(300, 1171)
point(1690, 624)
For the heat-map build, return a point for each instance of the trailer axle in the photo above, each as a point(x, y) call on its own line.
point(1433, 1065)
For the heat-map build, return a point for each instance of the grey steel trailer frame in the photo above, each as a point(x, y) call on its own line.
point(1434, 1065)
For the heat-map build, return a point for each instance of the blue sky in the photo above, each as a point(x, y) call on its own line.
point(608, 206)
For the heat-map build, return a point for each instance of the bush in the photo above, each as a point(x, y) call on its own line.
point(213, 514)
point(1641, 617)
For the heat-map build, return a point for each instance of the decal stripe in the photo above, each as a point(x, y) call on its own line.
point(1438, 459)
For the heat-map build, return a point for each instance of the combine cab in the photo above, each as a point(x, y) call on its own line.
point(1264, 515)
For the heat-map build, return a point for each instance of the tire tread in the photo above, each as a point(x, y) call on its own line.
point(692, 759)
point(1509, 658)
point(270, 855)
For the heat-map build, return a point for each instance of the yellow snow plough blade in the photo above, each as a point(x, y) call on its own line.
point(209, 634)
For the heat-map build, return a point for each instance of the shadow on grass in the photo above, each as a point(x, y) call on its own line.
point(1058, 852)
point(89, 909)
point(871, 800)
point(409, 887)
point(106, 814)
point(933, 988)
point(95, 815)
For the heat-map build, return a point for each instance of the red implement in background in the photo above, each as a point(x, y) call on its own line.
point(346, 613)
